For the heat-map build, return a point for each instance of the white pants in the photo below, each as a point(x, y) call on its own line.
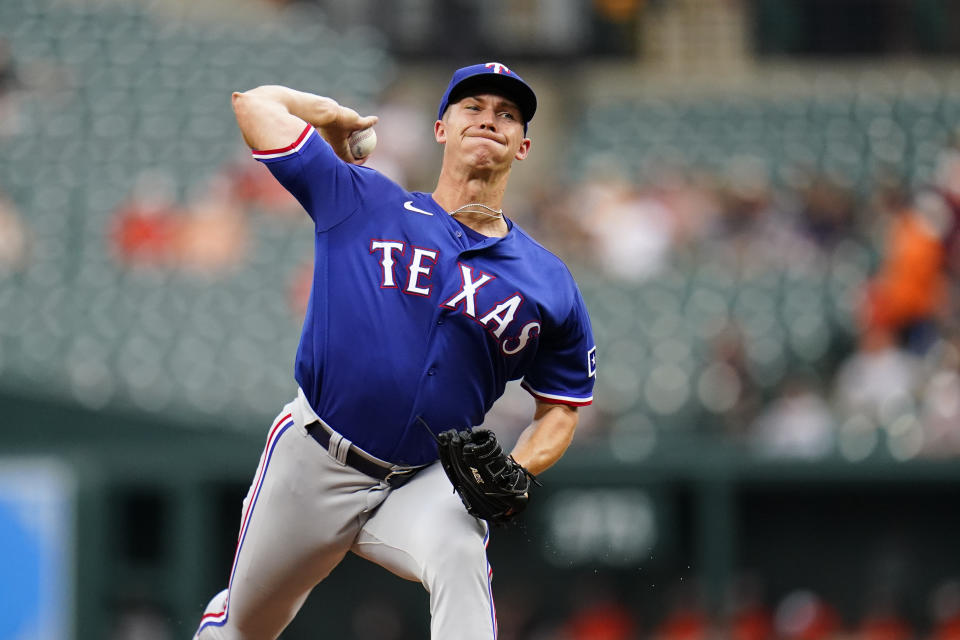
point(305, 511)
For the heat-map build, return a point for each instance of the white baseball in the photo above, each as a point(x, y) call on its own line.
point(362, 143)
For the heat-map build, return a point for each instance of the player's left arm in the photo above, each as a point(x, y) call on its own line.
point(546, 439)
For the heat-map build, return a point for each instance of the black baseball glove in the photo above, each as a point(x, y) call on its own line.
point(492, 485)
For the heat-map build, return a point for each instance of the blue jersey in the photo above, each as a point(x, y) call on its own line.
point(413, 314)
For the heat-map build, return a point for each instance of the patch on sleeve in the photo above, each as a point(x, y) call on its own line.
point(592, 362)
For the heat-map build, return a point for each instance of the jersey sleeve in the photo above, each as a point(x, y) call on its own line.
point(325, 186)
point(565, 367)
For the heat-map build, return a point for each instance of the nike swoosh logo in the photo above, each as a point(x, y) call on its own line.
point(408, 205)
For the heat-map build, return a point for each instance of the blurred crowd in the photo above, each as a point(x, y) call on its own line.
point(207, 232)
point(597, 610)
point(800, 614)
point(897, 376)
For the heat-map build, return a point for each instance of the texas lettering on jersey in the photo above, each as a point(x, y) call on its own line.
point(497, 319)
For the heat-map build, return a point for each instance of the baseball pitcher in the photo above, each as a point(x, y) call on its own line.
point(423, 307)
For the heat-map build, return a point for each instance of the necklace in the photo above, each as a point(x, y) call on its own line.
point(476, 207)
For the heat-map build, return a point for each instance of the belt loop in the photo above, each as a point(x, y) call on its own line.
point(343, 448)
point(339, 447)
point(333, 447)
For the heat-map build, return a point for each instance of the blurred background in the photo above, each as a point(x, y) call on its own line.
point(759, 198)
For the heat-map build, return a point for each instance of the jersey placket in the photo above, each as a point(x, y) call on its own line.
point(441, 318)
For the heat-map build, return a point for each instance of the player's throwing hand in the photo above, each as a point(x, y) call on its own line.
point(337, 133)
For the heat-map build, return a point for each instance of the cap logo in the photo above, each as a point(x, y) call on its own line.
point(498, 67)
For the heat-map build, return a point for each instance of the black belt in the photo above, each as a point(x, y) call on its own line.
point(394, 477)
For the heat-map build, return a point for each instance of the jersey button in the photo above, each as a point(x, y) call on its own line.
point(431, 372)
point(440, 321)
point(459, 233)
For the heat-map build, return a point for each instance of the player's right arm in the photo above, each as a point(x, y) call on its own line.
point(271, 117)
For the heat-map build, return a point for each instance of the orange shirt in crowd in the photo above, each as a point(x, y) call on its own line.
point(911, 284)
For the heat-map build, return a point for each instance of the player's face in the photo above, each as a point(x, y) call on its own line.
point(486, 130)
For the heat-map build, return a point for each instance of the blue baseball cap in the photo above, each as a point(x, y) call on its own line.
point(496, 78)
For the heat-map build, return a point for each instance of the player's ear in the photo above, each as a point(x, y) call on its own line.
point(524, 149)
point(440, 131)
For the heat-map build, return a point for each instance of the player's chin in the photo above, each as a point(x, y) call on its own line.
point(486, 163)
point(489, 157)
